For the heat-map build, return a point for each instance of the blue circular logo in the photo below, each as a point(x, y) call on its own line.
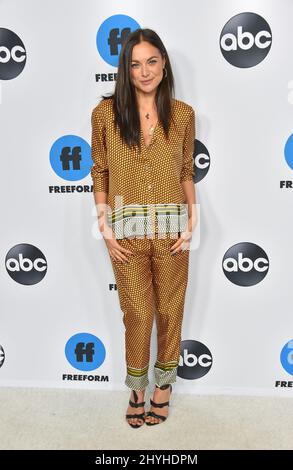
point(70, 157)
point(111, 35)
point(85, 351)
point(287, 357)
point(289, 151)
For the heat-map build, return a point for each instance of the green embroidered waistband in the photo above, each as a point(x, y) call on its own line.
point(145, 219)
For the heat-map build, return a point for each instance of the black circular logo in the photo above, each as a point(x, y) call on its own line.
point(201, 160)
point(12, 54)
point(26, 264)
point(195, 360)
point(2, 356)
point(245, 264)
point(245, 40)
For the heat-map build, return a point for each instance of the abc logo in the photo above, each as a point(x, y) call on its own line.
point(195, 360)
point(12, 54)
point(245, 264)
point(2, 356)
point(245, 40)
point(26, 264)
point(201, 161)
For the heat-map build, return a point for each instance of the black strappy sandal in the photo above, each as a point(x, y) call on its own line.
point(135, 404)
point(158, 405)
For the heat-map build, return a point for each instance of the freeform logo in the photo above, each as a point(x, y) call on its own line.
point(195, 360)
point(289, 152)
point(85, 351)
point(2, 356)
point(245, 264)
point(287, 357)
point(12, 54)
point(26, 264)
point(201, 161)
point(245, 40)
point(70, 157)
point(111, 35)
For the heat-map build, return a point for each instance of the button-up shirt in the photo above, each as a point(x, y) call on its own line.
point(143, 185)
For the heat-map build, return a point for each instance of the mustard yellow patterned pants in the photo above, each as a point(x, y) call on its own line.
point(152, 284)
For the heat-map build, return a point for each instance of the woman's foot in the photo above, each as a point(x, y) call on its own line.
point(136, 398)
point(160, 397)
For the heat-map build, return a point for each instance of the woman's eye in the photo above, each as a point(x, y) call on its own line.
point(151, 62)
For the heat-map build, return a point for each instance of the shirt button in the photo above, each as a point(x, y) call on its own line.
point(150, 186)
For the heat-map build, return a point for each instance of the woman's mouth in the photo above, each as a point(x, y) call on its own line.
point(146, 82)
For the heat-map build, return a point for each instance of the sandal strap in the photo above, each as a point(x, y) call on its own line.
point(164, 387)
point(135, 415)
point(136, 405)
point(155, 415)
point(159, 405)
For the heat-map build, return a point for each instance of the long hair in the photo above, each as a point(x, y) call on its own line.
point(125, 104)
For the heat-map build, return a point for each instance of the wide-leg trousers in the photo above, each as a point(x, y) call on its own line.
point(152, 284)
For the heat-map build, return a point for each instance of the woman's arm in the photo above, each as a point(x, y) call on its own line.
point(101, 207)
point(99, 170)
point(187, 171)
point(188, 187)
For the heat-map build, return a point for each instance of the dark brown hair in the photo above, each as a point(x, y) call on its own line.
point(124, 97)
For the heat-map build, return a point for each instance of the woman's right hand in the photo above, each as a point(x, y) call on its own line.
point(116, 251)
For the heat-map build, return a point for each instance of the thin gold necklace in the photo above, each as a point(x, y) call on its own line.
point(152, 128)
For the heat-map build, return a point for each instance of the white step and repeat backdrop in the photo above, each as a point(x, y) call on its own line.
point(61, 324)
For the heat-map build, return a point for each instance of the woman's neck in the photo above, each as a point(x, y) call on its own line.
point(146, 101)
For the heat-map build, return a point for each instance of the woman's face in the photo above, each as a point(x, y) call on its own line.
point(146, 67)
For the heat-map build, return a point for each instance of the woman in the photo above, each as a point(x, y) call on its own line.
point(142, 149)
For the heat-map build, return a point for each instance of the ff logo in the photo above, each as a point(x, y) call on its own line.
point(287, 357)
point(85, 351)
point(111, 35)
point(70, 157)
point(289, 151)
point(12, 54)
point(195, 360)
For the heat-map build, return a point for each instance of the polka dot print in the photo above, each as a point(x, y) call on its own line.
point(149, 176)
point(153, 284)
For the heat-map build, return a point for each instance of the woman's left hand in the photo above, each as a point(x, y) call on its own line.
point(183, 242)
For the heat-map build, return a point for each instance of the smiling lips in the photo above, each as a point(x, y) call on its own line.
point(146, 82)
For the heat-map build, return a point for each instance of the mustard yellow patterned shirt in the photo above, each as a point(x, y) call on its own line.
point(144, 188)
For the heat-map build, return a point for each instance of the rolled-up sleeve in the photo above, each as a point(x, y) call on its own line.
point(187, 171)
point(99, 170)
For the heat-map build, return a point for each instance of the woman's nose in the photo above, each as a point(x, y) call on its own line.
point(144, 71)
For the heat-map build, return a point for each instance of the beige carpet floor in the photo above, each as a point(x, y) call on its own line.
point(33, 418)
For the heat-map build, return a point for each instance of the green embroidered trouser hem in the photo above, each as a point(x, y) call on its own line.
point(165, 373)
point(137, 379)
